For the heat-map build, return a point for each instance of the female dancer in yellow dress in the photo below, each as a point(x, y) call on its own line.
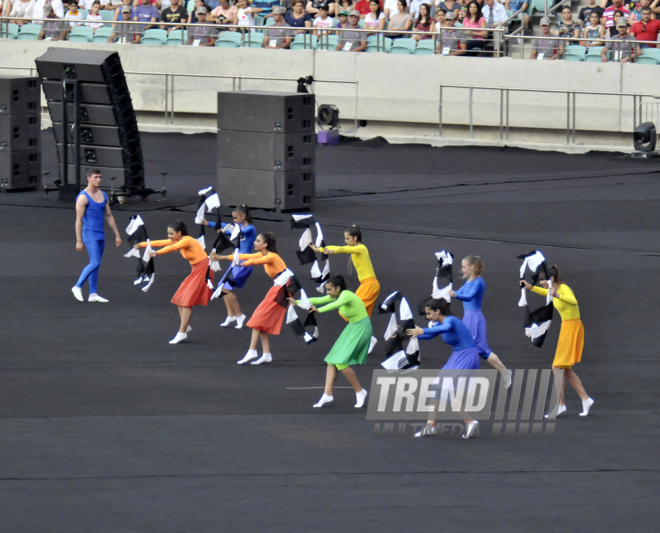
point(571, 336)
point(369, 288)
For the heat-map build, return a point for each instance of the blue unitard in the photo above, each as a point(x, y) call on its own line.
point(458, 336)
point(93, 236)
point(248, 236)
point(471, 294)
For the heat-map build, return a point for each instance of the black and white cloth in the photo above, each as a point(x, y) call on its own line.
point(444, 270)
point(402, 351)
point(137, 233)
point(306, 254)
point(536, 322)
point(307, 329)
point(208, 201)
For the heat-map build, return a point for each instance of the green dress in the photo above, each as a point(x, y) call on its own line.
point(352, 346)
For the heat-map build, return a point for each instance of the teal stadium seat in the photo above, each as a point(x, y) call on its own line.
point(154, 36)
point(81, 34)
point(327, 42)
point(304, 42)
point(107, 16)
point(254, 40)
point(425, 48)
point(228, 39)
point(29, 32)
point(403, 46)
point(174, 38)
point(102, 35)
point(575, 50)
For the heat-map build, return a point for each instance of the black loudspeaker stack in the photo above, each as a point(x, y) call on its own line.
point(20, 132)
point(266, 145)
point(109, 136)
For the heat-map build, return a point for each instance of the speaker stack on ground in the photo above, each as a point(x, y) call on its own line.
point(109, 136)
point(20, 132)
point(266, 149)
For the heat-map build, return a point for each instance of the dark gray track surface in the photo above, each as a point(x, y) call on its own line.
point(104, 427)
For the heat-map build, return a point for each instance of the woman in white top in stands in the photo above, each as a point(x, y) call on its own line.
point(94, 19)
point(23, 10)
point(376, 19)
point(246, 13)
point(400, 21)
point(323, 22)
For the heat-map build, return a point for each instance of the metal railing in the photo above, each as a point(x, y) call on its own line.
point(570, 106)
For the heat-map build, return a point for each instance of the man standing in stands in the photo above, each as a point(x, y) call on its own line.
point(622, 52)
point(280, 34)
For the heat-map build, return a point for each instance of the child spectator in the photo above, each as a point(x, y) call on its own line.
point(245, 14)
point(94, 19)
point(323, 23)
point(343, 23)
point(73, 16)
point(594, 31)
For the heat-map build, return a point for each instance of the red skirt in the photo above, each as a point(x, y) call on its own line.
point(268, 317)
point(194, 290)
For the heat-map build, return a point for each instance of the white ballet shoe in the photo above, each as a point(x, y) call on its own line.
point(228, 321)
point(179, 337)
point(586, 405)
point(251, 354)
point(560, 410)
point(427, 431)
point(239, 321)
point(360, 397)
point(188, 329)
point(326, 398)
point(470, 429)
point(77, 292)
point(265, 358)
point(96, 298)
point(508, 378)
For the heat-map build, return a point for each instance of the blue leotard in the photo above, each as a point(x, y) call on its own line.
point(248, 236)
point(471, 294)
point(453, 332)
point(93, 235)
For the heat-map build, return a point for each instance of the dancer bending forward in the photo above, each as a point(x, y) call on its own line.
point(352, 346)
point(571, 336)
point(194, 290)
point(464, 357)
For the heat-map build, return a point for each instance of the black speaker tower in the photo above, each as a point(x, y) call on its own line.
point(97, 127)
point(266, 149)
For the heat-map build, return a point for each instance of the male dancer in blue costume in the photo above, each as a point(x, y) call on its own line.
point(92, 209)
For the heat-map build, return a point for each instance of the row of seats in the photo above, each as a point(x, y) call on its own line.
point(574, 52)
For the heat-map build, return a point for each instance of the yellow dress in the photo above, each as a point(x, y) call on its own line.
point(369, 288)
point(571, 336)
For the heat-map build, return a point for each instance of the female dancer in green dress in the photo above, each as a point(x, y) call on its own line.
point(352, 346)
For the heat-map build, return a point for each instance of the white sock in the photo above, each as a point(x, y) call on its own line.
point(178, 337)
point(326, 398)
point(251, 354)
point(265, 358)
point(228, 321)
point(360, 397)
point(586, 405)
point(560, 409)
point(239, 321)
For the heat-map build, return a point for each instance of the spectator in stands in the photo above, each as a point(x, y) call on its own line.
point(608, 14)
point(266, 7)
point(646, 30)
point(279, 35)
point(175, 14)
point(112, 5)
point(198, 4)
point(413, 8)
point(363, 7)
point(351, 39)
point(612, 31)
point(342, 5)
point(451, 41)
point(38, 12)
point(117, 15)
point(245, 14)
point(343, 23)
point(515, 6)
point(94, 19)
point(23, 10)
point(199, 35)
point(494, 13)
point(585, 13)
point(402, 21)
point(54, 28)
point(623, 51)
point(146, 12)
point(314, 7)
point(546, 47)
point(449, 5)
point(125, 33)
point(376, 19)
point(224, 15)
point(636, 12)
point(323, 23)
point(474, 19)
point(424, 22)
point(594, 31)
point(298, 18)
point(210, 5)
point(566, 27)
point(74, 16)
point(655, 9)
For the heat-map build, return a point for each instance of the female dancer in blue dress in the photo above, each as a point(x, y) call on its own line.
point(242, 217)
point(471, 294)
point(464, 356)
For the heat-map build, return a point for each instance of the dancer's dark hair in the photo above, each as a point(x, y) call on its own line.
point(178, 225)
point(246, 211)
point(440, 305)
point(338, 281)
point(553, 272)
point(355, 231)
point(270, 241)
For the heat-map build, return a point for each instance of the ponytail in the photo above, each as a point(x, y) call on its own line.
point(338, 281)
point(270, 241)
point(476, 263)
point(356, 232)
point(246, 211)
point(178, 225)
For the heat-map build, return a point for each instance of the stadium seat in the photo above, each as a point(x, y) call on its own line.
point(372, 44)
point(575, 50)
point(84, 13)
point(593, 54)
point(102, 35)
point(269, 21)
point(258, 20)
point(154, 36)
point(107, 16)
point(647, 60)
point(174, 38)
point(190, 6)
point(328, 42)
point(29, 32)
point(403, 46)
point(571, 56)
point(81, 34)
point(425, 47)
point(651, 52)
point(304, 42)
point(254, 40)
point(229, 39)
point(12, 30)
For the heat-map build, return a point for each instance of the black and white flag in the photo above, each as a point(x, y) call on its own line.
point(308, 329)
point(208, 201)
point(536, 322)
point(399, 357)
point(306, 254)
point(137, 233)
point(444, 270)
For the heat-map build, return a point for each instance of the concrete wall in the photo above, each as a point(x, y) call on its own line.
point(399, 92)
